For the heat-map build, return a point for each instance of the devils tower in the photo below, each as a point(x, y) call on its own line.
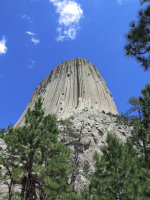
point(71, 87)
point(76, 92)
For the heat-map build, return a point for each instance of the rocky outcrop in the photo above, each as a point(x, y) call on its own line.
point(3, 186)
point(95, 127)
point(70, 87)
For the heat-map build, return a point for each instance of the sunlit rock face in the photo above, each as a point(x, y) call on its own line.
point(71, 87)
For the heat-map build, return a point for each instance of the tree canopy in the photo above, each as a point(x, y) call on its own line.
point(116, 174)
point(35, 160)
point(123, 170)
point(138, 38)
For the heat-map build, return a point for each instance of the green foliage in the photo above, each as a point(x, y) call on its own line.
point(131, 116)
point(141, 139)
point(2, 131)
point(145, 105)
point(10, 170)
point(135, 106)
point(138, 38)
point(141, 131)
point(67, 128)
point(117, 174)
point(123, 119)
point(111, 114)
point(36, 159)
point(86, 167)
point(143, 1)
point(123, 171)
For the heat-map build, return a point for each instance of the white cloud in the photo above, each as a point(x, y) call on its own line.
point(33, 38)
point(35, 41)
point(70, 14)
point(29, 33)
point(3, 47)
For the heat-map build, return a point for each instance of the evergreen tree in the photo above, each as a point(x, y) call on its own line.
point(42, 161)
point(116, 174)
point(138, 38)
point(141, 122)
point(141, 139)
point(139, 119)
point(141, 131)
point(135, 107)
point(10, 169)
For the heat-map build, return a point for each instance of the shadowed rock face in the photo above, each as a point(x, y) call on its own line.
point(71, 87)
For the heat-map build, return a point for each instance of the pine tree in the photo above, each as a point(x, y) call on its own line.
point(135, 107)
point(141, 139)
point(138, 38)
point(43, 166)
point(116, 174)
point(139, 119)
point(10, 170)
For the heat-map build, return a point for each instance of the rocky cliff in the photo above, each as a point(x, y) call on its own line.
point(70, 87)
point(91, 127)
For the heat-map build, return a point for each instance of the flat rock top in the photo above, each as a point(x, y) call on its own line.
point(71, 87)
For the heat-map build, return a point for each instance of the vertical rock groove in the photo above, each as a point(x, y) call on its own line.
point(78, 82)
point(71, 87)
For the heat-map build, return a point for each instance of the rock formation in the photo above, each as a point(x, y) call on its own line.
point(95, 127)
point(70, 87)
point(75, 91)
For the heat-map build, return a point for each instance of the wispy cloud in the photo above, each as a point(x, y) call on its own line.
point(70, 13)
point(33, 37)
point(31, 64)
point(35, 41)
point(3, 47)
point(29, 33)
point(27, 18)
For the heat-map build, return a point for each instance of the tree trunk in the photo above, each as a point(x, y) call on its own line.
point(41, 191)
point(76, 155)
point(146, 155)
point(11, 190)
point(30, 193)
point(23, 183)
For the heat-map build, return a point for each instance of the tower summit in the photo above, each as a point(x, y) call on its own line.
point(71, 87)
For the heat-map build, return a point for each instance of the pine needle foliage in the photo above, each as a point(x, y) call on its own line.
point(116, 174)
point(141, 139)
point(138, 37)
point(40, 161)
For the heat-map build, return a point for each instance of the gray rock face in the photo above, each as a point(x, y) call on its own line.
point(96, 126)
point(70, 87)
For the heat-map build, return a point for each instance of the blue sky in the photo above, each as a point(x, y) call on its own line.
point(37, 35)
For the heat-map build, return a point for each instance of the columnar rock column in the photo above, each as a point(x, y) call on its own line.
point(71, 87)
